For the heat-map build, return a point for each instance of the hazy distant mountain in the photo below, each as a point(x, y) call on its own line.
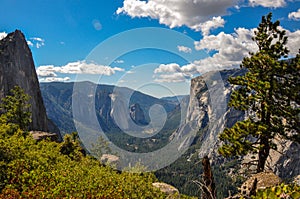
point(176, 99)
point(58, 102)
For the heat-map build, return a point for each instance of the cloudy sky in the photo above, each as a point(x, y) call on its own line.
point(155, 46)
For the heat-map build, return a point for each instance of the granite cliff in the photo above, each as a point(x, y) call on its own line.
point(17, 69)
point(209, 113)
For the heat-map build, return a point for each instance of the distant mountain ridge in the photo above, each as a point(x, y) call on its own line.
point(58, 102)
point(17, 68)
point(176, 98)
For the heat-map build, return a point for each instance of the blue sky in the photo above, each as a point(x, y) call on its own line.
point(152, 45)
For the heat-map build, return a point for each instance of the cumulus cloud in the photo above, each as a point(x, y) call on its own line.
point(205, 27)
point(293, 42)
point(79, 67)
point(228, 52)
point(176, 13)
point(174, 73)
point(3, 35)
point(268, 3)
point(295, 15)
point(184, 49)
point(55, 79)
point(46, 71)
point(230, 49)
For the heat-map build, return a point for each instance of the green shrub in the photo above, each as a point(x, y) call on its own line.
point(279, 192)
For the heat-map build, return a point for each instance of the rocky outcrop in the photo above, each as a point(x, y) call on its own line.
point(17, 69)
point(172, 192)
point(137, 114)
point(109, 159)
point(209, 113)
point(39, 135)
point(259, 181)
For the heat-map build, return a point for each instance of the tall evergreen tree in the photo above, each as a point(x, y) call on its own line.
point(15, 109)
point(269, 93)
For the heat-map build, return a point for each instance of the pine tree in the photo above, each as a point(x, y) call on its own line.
point(269, 93)
point(15, 109)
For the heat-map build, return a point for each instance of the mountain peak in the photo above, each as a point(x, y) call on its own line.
point(17, 69)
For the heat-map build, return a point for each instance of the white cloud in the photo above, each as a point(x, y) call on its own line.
point(29, 43)
point(36, 41)
point(295, 15)
point(46, 71)
point(176, 13)
point(232, 48)
point(268, 3)
point(293, 43)
point(119, 61)
point(184, 49)
point(229, 51)
point(174, 73)
point(3, 35)
point(79, 67)
point(172, 78)
point(205, 27)
point(54, 79)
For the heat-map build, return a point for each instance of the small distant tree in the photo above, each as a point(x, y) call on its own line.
point(71, 146)
point(269, 92)
point(15, 109)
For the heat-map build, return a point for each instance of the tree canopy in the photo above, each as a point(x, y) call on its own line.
point(268, 93)
point(15, 110)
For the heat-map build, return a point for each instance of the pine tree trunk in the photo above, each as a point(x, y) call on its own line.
point(264, 151)
point(209, 187)
point(263, 154)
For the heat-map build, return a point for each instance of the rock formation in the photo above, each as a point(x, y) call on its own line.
point(209, 113)
point(137, 114)
point(17, 68)
point(39, 135)
point(172, 192)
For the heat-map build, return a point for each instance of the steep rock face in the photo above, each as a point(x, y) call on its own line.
point(17, 68)
point(208, 110)
point(137, 114)
point(209, 113)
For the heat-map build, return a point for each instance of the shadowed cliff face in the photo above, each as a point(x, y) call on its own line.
point(17, 68)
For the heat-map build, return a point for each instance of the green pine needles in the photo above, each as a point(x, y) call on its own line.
point(269, 93)
point(15, 109)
